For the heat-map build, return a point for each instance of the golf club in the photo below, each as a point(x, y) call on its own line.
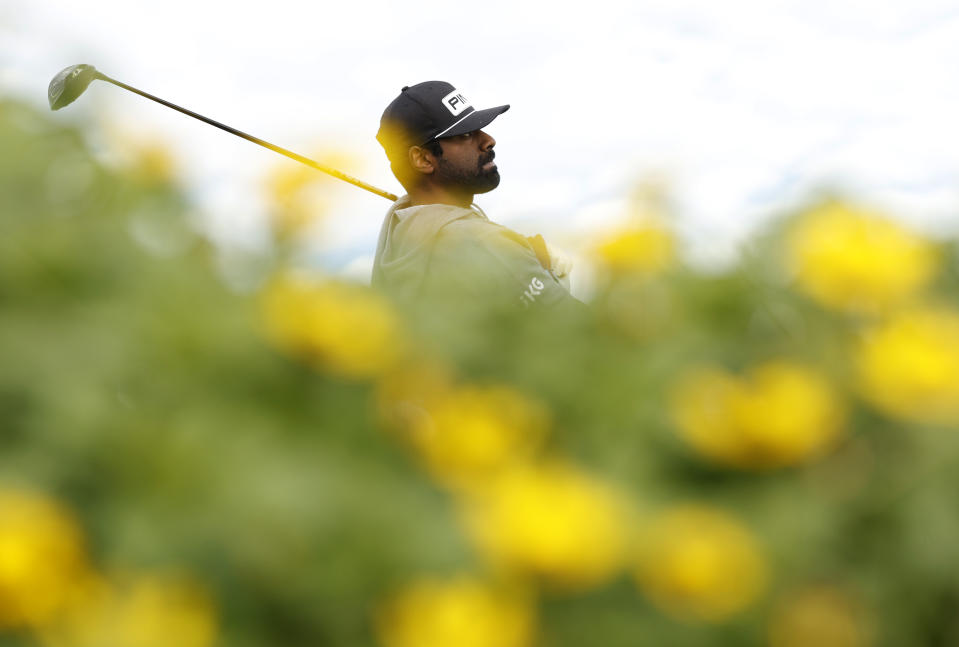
point(72, 81)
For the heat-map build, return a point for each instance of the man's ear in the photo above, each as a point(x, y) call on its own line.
point(422, 160)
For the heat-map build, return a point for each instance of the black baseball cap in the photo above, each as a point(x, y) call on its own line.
point(428, 111)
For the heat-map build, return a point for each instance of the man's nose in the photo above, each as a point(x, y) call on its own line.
point(486, 142)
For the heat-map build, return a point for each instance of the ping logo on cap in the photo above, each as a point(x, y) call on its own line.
point(455, 102)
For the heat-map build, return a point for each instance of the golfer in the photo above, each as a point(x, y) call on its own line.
point(434, 241)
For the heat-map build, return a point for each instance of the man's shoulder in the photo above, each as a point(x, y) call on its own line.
point(422, 223)
point(475, 256)
point(478, 229)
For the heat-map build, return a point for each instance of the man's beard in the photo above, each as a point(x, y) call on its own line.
point(471, 181)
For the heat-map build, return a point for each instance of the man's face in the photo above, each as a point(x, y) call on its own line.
point(467, 163)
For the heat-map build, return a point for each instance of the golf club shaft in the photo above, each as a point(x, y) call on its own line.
point(255, 140)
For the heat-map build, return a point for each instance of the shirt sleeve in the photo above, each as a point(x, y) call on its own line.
point(481, 260)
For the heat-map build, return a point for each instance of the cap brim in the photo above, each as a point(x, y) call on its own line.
point(474, 121)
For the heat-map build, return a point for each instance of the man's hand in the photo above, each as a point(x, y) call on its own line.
point(561, 263)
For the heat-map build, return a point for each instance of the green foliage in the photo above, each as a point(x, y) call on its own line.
point(141, 391)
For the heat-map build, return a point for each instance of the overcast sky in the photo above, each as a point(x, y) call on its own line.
point(745, 107)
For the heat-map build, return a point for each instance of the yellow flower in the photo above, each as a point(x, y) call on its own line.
point(701, 564)
point(41, 556)
point(469, 432)
point(149, 161)
point(462, 433)
point(346, 329)
point(909, 366)
point(856, 260)
point(641, 249)
point(463, 612)
point(823, 616)
point(136, 611)
point(298, 194)
point(404, 393)
point(782, 414)
point(551, 521)
point(153, 163)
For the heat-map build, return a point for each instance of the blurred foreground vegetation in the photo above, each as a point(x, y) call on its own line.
point(766, 456)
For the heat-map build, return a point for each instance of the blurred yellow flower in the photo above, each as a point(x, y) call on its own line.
point(646, 248)
point(551, 521)
point(698, 563)
point(41, 556)
point(404, 393)
point(909, 366)
point(289, 212)
point(149, 161)
point(823, 616)
point(343, 328)
point(463, 612)
point(153, 163)
point(855, 259)
point(298, 195)
point(781, 414)
point(138, 611)
point(469, 432)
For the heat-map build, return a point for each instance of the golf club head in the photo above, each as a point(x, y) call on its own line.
point(70, 84)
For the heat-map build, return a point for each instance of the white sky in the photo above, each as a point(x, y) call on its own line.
point(746, 107)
